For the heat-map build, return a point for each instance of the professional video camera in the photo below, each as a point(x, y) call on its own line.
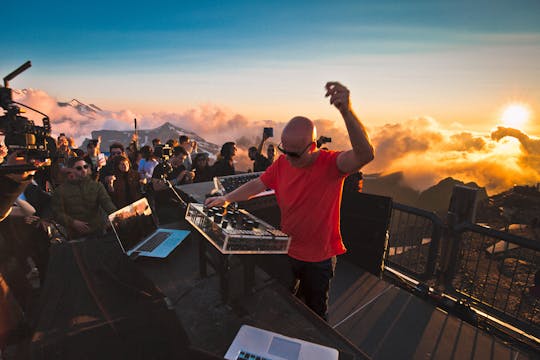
point(21, 134)
point(323, 140)
point(164, 152)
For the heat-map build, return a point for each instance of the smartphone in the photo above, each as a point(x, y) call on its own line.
point(101, 159)
point(268, 131)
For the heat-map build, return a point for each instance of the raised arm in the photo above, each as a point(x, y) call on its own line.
point(242, 193)
point(362, 151)
point(263, 140)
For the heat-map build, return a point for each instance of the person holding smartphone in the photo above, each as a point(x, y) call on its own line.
point(308, 184)
point(261, 162)
point(95, 157)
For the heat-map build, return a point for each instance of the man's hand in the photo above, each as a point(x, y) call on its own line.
point(37, 222)
point(362, 150)
point(216, 201)
point(190, 175)
point(3, 152)
point(339, 96)
point(81, 226)
point(109, 180)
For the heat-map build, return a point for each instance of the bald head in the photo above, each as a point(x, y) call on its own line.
point(299, 130)
point(298, 139)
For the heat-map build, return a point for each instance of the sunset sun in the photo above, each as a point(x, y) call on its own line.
point(515, 115)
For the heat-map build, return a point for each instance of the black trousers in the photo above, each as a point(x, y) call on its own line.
point(312, 282)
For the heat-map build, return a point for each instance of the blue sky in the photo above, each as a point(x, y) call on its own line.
point(458, 61)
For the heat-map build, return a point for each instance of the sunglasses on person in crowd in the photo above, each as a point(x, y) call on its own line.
point(116, 153)
point(82, 167)
point(292, 153)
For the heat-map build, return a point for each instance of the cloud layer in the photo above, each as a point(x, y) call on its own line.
point(419, 147)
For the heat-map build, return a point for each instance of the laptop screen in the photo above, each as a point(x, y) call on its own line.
point(133, 223)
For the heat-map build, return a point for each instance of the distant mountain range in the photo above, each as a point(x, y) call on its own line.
point(164, 132)
point(435, 198)
point(519, 205)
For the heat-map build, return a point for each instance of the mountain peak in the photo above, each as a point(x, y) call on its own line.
point(164, 132)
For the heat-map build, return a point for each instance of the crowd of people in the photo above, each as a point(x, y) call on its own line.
point(73, 196)
point(81, 187)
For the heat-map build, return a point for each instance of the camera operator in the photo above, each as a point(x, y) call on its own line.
point(12, 184)
point(169, 172)
point(172, 170)
point(14, 289)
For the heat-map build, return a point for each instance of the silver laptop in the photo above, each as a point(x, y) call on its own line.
point(137, 232)
point(255, 343)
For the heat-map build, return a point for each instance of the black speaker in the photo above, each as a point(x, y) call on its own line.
point(364, 224)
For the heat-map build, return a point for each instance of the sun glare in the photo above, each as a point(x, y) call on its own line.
point(515, 116)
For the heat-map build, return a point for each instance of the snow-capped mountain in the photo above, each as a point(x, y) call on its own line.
point(164, 132)
point(82, 108)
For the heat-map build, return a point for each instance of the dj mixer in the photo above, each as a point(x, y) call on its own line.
point(236, 231)
point(229, 183)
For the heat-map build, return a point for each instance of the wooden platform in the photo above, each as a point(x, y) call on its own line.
point(388, 322)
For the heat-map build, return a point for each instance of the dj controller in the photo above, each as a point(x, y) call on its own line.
point(236, 231)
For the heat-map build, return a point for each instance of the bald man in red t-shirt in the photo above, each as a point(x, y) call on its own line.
point(308, 183)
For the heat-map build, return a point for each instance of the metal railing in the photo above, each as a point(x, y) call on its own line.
point(493, 271)
point(413, 241)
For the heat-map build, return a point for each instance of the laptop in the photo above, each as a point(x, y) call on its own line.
point(137, 232)
point(255, 343)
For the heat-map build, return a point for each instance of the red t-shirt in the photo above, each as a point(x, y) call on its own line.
point(309, 199)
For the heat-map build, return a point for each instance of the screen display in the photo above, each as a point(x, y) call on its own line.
point(133, 223)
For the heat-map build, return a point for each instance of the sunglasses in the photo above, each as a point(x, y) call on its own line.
point(81, 167)
point(116, 153)
point(292, 153)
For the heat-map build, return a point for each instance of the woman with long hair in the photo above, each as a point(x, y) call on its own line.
point(202, 168)
point(125, 187)
point(224, 166)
